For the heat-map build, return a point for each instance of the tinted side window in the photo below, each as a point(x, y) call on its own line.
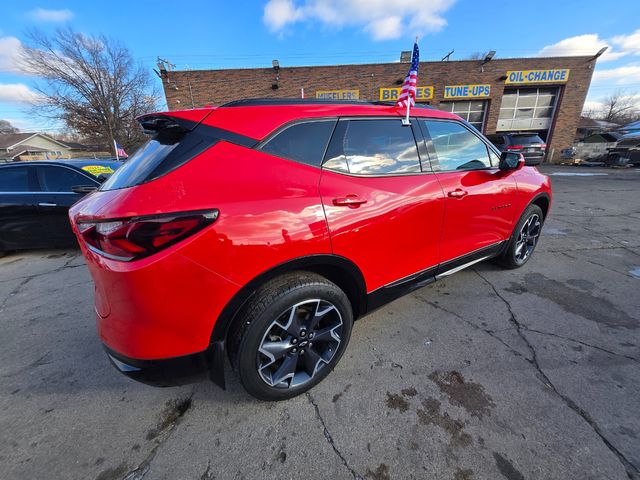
point(303, 142)
point(14, 179)
point(61, 179)
point(456, 147)
point(375, 147)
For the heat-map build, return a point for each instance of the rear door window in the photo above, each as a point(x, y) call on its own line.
point(61, 179)
point(456, 147)
point(375, 147)
point(525, 139)
point(303, 142)
point(16, 179)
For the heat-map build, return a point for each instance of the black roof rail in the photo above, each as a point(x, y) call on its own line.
point(255, 102)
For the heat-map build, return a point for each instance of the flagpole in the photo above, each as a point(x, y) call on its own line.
point(115, 147)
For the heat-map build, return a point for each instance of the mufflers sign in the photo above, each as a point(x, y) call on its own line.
point(553, 75)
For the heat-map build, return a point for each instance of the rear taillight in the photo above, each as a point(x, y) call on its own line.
point(137, 237)
point(515, 147)
point(543, 146)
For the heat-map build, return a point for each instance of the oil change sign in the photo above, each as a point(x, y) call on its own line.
point(338, 94)
point(467, 91)
point(557, 75)
point(391, 94)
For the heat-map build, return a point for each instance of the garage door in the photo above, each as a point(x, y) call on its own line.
point(472, 111)
point(527, 108)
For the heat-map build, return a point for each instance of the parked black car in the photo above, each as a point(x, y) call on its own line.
point(530, 145)
point(625, 152)
point(35, 198)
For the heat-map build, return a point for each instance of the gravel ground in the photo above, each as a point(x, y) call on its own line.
point(488, 374)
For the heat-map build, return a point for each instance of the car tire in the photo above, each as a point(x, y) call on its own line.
point(524, 238)
point(272, 345)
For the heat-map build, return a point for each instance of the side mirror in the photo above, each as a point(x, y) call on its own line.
point(511, 161)
point(83, 188)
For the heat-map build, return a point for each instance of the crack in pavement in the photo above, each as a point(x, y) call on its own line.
point(596, 347)
point(329, 438)
point(596, 263)
point(603, 235)
point(28, 278)
point(489, 332)
point(66, 264)
point(143, 467)
point(633, 472)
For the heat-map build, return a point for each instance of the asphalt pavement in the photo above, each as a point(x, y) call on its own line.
point(489, 374)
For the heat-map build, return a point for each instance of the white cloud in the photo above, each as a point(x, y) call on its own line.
point(624, 75)
point(628, 43)
point(9, 52)
point(382, 19)
point(278, 13)
point(588, 44)
point(385, 28)
point(17, 93)
point(46, 15)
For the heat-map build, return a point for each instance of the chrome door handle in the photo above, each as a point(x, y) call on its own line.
point(457, 193)
point(351, 201)
point(45, 204)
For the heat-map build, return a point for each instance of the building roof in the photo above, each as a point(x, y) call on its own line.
point(11, 140)
point(7, 140)
point(589, 123)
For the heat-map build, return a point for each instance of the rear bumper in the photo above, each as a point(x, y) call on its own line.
point(176, 371)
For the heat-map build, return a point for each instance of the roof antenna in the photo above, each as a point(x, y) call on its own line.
point(447, 57)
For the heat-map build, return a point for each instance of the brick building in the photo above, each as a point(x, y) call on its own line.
point(543, 95)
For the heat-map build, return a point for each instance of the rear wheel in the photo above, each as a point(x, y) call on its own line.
point(524, 238)
point(290, 336)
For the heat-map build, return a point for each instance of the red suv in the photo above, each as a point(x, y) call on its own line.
point(263, 228)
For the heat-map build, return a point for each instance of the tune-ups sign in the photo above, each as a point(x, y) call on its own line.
point(467, 91)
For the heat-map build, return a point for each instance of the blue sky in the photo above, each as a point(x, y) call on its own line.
point(200, 34)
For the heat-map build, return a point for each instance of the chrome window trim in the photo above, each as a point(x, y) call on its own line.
point(382, 175)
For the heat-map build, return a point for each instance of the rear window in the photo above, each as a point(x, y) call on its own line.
point(169, 148)
point(303, 142)
point(526, 139)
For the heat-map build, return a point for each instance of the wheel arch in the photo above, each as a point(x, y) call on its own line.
point(339, 270)
point(543, 201)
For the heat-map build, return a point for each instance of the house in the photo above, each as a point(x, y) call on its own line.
point(588, 126)
point(31, 146)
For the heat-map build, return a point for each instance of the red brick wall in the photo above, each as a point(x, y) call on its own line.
point(196, 88)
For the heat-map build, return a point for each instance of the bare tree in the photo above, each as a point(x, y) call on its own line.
point(620, 108)
point(91, 83)
point(477, 56)
point(7, 127)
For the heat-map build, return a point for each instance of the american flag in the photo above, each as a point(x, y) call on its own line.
point(120, 153)
point(408, 91)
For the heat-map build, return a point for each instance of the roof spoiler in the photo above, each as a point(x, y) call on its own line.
point(178, 121)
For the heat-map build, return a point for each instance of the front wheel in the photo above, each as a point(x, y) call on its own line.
point(524, 238)
point(291, 335)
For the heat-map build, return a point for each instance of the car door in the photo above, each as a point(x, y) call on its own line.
point(384, 208)
point(478, 196)
point(20, 225)
point(56, 182)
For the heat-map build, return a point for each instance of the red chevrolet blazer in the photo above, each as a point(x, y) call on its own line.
point(263, 228)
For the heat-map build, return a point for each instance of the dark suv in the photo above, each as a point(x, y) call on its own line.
point(530, 145)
